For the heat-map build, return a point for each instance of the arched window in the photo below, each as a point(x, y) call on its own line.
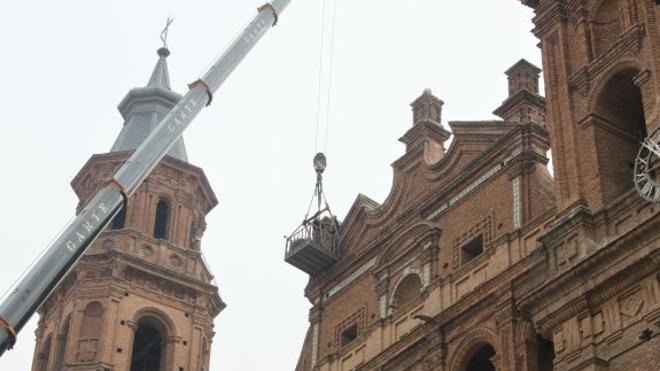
point(120, 219)
point(480, 360)
point(44, 354)
point(407, 290)
point(607, 26)
point(62, 343)
point(162, 219)
point(619, 107)
point(148, 346)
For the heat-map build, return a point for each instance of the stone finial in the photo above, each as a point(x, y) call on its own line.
point(427, 108)
point(523, 76)
point(524, 104)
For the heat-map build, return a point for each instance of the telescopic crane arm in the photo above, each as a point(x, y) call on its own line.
point(31, 291)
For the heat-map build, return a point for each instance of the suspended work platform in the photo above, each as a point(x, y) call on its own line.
point(312, 247)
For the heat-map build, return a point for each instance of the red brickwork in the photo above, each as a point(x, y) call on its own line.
point(129, 277)
point(518, 269)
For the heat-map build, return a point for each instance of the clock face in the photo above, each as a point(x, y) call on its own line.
point(647, 168)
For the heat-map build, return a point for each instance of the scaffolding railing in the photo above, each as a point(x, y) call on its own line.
point(318, 233)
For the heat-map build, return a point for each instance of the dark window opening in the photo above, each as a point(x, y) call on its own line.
point(349, 334)
point(546, 354)
point(472, 249)
point(162, 217)
point(120, 219)
point(480, 361)
point(147, 349)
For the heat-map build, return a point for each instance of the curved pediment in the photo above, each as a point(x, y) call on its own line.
point(415, 179)
point(419, 234)
point(471, 140)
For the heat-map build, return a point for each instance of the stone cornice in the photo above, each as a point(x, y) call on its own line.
point(117, 158)
point(520, 98)
point(549, 13)
point(594, 119)
point(163, 273)
point(425, 130)
point(597, 292)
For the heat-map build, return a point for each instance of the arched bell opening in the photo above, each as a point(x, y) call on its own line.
point(149, 346)
point(480, 359)
point(620, 110)
point(162, 219)
point(119, 221)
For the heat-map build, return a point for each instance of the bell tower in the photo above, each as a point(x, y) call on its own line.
point(601, 61)
point(142, 298)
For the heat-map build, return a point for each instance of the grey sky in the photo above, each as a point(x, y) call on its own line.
point(66, 65)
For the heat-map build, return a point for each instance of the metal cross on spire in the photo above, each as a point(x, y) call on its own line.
point(163, 34)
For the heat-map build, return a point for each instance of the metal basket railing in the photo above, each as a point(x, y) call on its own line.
point(319, 234)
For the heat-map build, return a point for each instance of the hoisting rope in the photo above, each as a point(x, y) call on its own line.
point(332, 59)
point(322, 55)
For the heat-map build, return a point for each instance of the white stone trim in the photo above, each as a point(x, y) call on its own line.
point(426, 275)
point(517, 207)
point(482, 179)
point(383, 306)
point(315, 344)
point(351, 277)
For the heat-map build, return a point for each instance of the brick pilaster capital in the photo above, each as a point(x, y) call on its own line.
point(315, 314)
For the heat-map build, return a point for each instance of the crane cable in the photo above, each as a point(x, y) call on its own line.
point(328, 94)
point(332, 58)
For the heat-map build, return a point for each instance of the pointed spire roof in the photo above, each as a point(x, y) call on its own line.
point(143, 108)
point(160, 78)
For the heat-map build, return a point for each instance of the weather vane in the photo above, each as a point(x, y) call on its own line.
point(163, 35)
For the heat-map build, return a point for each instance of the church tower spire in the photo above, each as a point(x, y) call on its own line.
point(160, 78)
point(143, 108)
point(142, 297)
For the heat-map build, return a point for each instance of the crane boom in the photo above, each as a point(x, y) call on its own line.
point(60, 256)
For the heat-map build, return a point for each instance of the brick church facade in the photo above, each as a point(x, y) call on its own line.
point(480, 259)
point(141, 298)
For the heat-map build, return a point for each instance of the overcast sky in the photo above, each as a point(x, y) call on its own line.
point(66, 65)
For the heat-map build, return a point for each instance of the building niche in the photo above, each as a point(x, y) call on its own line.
point(63, 342)
point(92, 322)
point(409, 289)
point(472, 249)
point(606, 26)
point(480, 360)
point(619, 105)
